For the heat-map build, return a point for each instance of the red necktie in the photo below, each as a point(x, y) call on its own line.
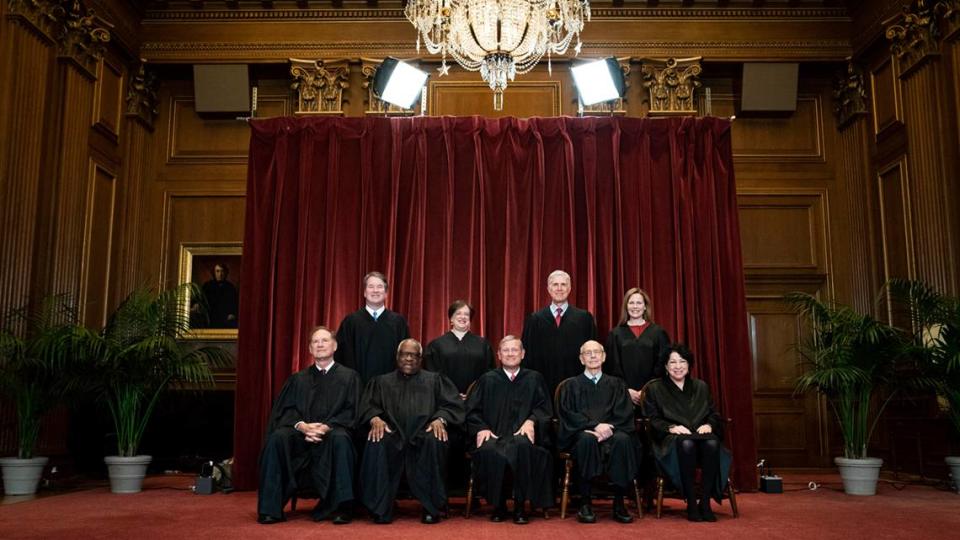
point(513, 376)
point(559, 316)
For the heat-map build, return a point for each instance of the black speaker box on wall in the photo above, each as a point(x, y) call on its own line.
point(769, 87)
point(221, 88)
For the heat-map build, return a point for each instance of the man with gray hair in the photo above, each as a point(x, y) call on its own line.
point(553, 335)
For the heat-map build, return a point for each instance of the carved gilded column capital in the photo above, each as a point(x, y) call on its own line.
point(36, 15)
point(949, 11)
point(849, 94)
point(142, 98)
point(616, 107)
point(319, 87)
point(375, 106)
point(914, 36)
point(81, 35)
point(672, 84)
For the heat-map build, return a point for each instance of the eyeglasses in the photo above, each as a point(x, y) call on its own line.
point(591, 352)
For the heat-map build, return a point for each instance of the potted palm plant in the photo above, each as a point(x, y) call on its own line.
point(935, 344)
point(132, 360)
point(851, 359)
point(32, 354)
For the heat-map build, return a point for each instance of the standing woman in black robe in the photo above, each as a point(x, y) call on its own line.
point(687, 431)
point(459, 354)
point(636, 347)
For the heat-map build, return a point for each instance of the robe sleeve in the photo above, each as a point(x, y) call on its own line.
point(371, 404)
point(488, 354)
point(660, 358)
point(286, 409)
point(542, 413)
point(474, 406)
point(345, 353)
point(713, 417)
point(431, 360)
point(621, 415)
point(614, 364)
point(654, 413)
point(346, 417)
point(449, 405)
point(571, 420)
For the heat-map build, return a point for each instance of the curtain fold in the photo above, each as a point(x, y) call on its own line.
point(483, 209)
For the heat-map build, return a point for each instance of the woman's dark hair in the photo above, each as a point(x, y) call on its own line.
point(680, 349)
point(456, 305)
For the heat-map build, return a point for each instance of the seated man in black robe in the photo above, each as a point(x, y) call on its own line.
point(309, 439)
point(596, 427)
point(408, 412)
point(508, 415)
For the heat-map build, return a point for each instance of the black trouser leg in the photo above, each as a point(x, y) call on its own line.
point(709, 457)
point(687, 454)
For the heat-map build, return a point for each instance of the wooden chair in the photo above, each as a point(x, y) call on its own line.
point(661, 478)
point(567, 461)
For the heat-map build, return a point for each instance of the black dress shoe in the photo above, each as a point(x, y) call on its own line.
point(342, 519)
point(264, 519)
point(693, 513)
point(382, 520)
point(429, 519)
point(520, 518)
point(621, 515)
point(499, 514)
point(706, 513)
point(586, 515)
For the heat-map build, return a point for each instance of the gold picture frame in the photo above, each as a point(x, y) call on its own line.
point(198, 263)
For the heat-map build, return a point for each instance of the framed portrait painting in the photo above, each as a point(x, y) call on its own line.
point(214, 267)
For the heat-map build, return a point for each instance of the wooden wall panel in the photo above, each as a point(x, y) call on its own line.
point(885, 96)
point(108, 100)
point(198, 216)
point(796, 137)
point(783, 232)
point(96, 277)
point(522, 98)
point(195, 139)
point(896, 234)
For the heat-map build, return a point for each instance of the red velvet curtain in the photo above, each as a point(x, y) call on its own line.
point(483, 209)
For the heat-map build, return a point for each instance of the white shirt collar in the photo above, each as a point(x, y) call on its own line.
point(590, 376)
point(514, 374)
point(328, 368)
point(563, 308)
point(459, 334)
point(375, 312)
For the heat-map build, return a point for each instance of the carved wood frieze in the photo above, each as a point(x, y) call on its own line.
point(81, 35)
point(36, 15)
point(375, 106)
point(949, 11)
point(849, 95)
point(142, 99)
point(671, 84)
point(319, 86)
point(914, 36)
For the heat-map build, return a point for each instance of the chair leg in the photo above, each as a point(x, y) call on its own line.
point(466, 513)
point(636, 492)
point(659, 496)
point(568, 465)
point(733, 499)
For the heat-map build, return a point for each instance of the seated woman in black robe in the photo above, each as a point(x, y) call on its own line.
point(687, 431)
point(459, 354)
point(636, 347)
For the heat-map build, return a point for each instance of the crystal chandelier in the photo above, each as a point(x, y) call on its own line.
point(498, 38)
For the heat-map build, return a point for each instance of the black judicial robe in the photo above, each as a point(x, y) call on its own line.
point(634, 359)
point(666, 405)
point(461, 360)
point(288, 462)
point(582, 405)
point(555, 351)
point(502, 406)
point(407, 405)
point(370, 346)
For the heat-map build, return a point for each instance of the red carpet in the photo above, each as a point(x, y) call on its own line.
point(165, 510)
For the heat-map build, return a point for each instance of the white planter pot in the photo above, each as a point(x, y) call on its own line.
point(954, 463)
point(21, 476)
point(127, 473)
point(859, 475)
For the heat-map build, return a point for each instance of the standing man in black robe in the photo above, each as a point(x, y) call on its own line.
point(369, 337)
point(408, 412)
point(552, 336)
point(596, 427)
point(309, 440)
point(508, 416)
